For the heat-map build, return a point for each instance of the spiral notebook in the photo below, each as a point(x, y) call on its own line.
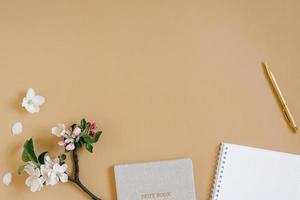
point(245, 173)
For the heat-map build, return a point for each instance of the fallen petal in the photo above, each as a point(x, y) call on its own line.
point(7, 178)
point(17, 128)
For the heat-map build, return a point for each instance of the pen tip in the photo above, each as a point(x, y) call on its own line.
point(266, 66)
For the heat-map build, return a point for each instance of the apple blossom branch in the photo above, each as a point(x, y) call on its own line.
point(44, 171)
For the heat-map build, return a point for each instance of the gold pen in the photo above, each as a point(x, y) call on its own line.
point(286, 111)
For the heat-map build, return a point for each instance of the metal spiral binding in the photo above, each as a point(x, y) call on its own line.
point(219, 172)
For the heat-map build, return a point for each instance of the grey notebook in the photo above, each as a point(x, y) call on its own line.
point(161, 180)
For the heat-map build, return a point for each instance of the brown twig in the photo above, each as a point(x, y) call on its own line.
point(76, 179)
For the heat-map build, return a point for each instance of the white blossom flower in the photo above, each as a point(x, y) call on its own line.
point(7, 178)
point(50, 162)
point(32, 102)
point(35, 181)
point(59, 130)
point(53, 171)
point(17, 128)
point(69, 140)
point(70, 147)
point(57, 174)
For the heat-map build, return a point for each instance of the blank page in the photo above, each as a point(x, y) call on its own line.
point(246, 173)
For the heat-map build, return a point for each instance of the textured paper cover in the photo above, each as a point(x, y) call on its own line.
point(161, 180)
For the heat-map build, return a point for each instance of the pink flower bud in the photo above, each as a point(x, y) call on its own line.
point(93, 125)
point(62, 143)
point(76, 132)
point(92, 132)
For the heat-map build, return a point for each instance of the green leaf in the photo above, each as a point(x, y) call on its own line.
point(29, 153)
point(62, 157)
point(93, 139)
point(21, 169)
point(78, 144)
point(82, 134)
point(83, 124)
point(41, 157)
point(25, 158)
point(89, 147)
point(97, 136)
point(85, 131)
point(29, 144)
point(77, 139)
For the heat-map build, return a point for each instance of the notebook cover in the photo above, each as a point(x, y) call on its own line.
point(161, 180)
point(246, 173)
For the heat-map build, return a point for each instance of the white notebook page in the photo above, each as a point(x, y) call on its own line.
point(246, 173)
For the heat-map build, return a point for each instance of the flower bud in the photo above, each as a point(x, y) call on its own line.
point(76, 132)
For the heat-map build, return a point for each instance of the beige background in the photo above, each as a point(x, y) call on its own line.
point(164, 79)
